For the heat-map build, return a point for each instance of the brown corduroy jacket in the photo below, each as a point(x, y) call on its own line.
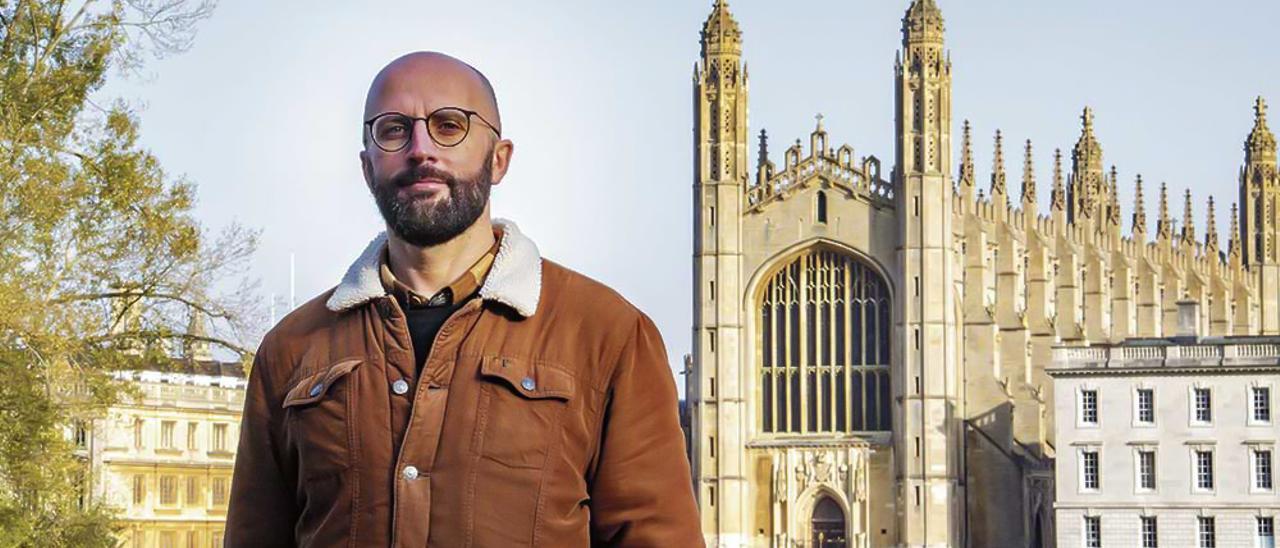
point(545, 415)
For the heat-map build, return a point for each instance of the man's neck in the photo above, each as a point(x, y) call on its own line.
point(426, 270)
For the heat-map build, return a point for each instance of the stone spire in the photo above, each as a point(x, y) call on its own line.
point(999, 195)
point(1139, 212)
point(1211, 231)
point(1260, 147)
point(1188, 222)
point(720, 33)
point(1028, 180)
point(1164, 228)
point(967, 175)
point(1058, 195)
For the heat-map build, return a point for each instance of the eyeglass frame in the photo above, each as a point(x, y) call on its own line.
point(368, 124)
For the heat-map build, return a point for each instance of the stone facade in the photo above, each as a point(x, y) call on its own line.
point(164, 458)
point(898, 319)
point(1143, 413)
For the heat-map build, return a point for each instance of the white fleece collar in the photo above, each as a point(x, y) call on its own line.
point(515, 279)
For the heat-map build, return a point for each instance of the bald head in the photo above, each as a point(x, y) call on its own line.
point(420, 82)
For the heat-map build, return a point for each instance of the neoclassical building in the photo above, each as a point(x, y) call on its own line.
point(871, 338)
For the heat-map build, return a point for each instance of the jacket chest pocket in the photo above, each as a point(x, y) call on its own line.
point(521, 403)
point(319, 408)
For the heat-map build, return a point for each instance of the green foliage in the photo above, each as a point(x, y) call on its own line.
point(102, 266)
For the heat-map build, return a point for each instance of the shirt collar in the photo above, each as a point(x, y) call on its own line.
point(458, 290)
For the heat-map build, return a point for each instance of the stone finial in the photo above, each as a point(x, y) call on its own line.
point(1233, 238)
point(1211, 231)
point(1139, 210)
point(1113, 211)
point(1058, 195)
point(1028, 179)
point(967, 176)
point(1087, 155)
point(1164, 228)
point(998, 191)
point(1260, 147)
point(763, 157)
point(922, 23)
point(720, 32)
point(1188, 222)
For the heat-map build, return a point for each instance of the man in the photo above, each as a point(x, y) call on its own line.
point(456, 389)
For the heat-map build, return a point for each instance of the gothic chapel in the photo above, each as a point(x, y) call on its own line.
point(870, 344)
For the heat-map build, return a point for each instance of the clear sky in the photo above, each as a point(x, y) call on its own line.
point(263, 113)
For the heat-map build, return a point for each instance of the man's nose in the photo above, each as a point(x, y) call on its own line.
point(421, 147)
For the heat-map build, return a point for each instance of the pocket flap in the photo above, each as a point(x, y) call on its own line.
point(534, 380)
point(313, 387)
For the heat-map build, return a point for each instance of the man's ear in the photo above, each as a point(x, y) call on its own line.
point(500, 161)
point(367, 169)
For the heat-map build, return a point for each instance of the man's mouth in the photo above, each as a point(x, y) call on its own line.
point(425, 184)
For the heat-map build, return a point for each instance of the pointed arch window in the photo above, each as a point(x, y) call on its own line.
point(823, 341)
point(821, 207)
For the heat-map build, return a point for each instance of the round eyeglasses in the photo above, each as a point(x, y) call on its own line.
point(447, 127)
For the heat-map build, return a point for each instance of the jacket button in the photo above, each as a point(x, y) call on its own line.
point(315, 390)
point(410, 472)
point(528, 383)
point(400, 386)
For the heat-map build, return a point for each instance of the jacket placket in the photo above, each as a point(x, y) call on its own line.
point(411, 502)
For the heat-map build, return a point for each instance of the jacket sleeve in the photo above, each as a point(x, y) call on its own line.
point(641, 491)
point(261, 510)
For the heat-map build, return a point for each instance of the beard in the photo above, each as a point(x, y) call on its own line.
point(417, 219)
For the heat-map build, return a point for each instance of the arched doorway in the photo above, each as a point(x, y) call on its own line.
point(828, 524)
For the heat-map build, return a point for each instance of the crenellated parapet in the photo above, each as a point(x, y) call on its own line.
point(838, 168)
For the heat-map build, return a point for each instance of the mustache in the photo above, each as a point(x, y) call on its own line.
point(423, 171)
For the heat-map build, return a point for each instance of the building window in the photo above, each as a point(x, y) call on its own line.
point(1266, 532)
point(1205, 532)
point(193, 491)
point(1093, 531)
point(1146, 406)
point(1204, 470)
point(219, 488)
point(1089, 407)
point(168, 539)
point(139, 489)
point(215, 539)
point(825, 326)
point(1149, 535)
point(822, 207)
point(219, 437)
point(1260, 402)
point(1146, 470)
point(166, 434)
point(1089, 480)
point(1262, 469)
point(193, 539)
point(168, 490)
point(137, 433)
point(1203, 402)
point(81, 435)
point(193, 442)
